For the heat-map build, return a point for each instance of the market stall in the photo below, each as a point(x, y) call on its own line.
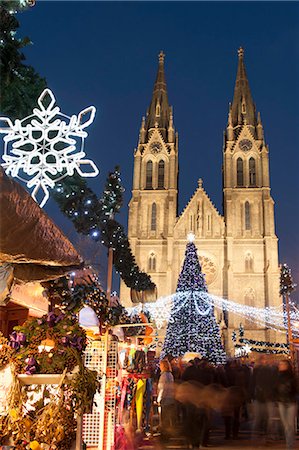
point(32, 250)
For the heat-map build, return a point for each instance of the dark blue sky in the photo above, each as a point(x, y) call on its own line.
point(105, 54)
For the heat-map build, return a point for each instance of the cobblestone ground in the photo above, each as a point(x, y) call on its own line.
point(216, 442)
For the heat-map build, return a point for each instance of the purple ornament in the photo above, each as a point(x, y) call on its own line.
point(64, 341)
point(51, 319)
point(13, 340)
point(31, 368)
point(21, 338)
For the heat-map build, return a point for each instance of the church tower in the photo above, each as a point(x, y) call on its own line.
point(153, 206)
point(251, 272)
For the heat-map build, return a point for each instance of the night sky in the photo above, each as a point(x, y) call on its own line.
point(105, 54)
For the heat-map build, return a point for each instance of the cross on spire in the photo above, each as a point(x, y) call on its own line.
point(161, 57)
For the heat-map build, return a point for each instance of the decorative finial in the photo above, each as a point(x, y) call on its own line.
point(200, 182)
point(191, 237)
point(241, 52)
point(161, 57)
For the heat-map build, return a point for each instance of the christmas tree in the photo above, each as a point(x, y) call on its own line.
point(192, 326)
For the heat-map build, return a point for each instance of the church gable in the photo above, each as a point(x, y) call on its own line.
point(246, 143)
point(201, 217)
point(156, 147)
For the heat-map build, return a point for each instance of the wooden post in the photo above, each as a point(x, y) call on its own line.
point(109, 273)
point(290, 334)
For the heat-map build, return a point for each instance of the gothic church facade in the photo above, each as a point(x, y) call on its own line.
point(238, 249)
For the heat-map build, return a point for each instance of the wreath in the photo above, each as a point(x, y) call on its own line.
point(51, 344)
point(41, 416)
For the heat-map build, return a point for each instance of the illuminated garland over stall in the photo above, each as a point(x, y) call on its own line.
point(95, 218)
point(70, 296)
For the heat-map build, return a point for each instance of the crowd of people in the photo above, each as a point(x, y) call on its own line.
point(192, 397)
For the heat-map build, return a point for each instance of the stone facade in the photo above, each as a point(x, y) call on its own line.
point(239, 249)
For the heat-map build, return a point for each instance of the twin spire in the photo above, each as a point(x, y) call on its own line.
point(242, 110)
point(159, 113)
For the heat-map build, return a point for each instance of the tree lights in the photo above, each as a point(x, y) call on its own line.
point(192, 325)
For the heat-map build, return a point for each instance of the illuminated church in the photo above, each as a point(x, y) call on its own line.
point(238, 249)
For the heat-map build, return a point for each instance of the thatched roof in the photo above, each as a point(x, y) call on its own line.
point(29, 239)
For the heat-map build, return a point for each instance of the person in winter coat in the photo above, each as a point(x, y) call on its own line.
point(165, 398)
point(286, 391)
point(263, 383)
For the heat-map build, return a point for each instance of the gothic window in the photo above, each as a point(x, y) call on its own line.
point(249, 300)
point(149, 175)
point(154, 217)
point(247, 216)
point(248, 262)
point(161, 171)
point(209, 222)
point(240, 176)
point(158, 110)
point(152, 262)
point(252, 172)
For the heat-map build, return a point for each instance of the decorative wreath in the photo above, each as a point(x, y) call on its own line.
point(53, 344)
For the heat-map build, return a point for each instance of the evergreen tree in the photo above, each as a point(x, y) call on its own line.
point(20, 83)
point(192, 325)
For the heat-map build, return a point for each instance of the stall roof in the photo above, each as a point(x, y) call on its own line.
point(29, 240)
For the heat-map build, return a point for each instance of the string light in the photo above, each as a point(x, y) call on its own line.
point(269, 317)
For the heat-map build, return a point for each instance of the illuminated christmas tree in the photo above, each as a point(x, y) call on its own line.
point(192, 326)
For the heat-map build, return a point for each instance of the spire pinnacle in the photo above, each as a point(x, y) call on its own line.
point(243, 109)
point(159, 111)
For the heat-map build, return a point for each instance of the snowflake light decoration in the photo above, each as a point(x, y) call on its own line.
point(41, 149)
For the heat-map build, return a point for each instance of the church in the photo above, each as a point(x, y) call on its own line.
point(237, 248)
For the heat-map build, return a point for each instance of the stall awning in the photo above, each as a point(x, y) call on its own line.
point(29, 240)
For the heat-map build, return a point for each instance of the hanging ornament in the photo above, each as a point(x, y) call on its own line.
point(41, 149)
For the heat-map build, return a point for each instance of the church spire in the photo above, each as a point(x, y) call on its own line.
point(158, 114)
point(243, 108)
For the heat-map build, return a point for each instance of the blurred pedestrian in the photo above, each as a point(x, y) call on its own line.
point(263, 386)
point(286, 391)
point(166, 400)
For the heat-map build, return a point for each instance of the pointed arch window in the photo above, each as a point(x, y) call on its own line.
point(249, 300)
point(149, 175)
point(240, 174)
point(247, 216)
point(161, 174)
point(152, 262)
point(248, 262)
point(252, 172)
point(154, 217)
point(158, 110)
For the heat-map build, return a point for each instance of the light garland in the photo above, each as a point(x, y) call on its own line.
point(269, 317)
point(40, 149)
